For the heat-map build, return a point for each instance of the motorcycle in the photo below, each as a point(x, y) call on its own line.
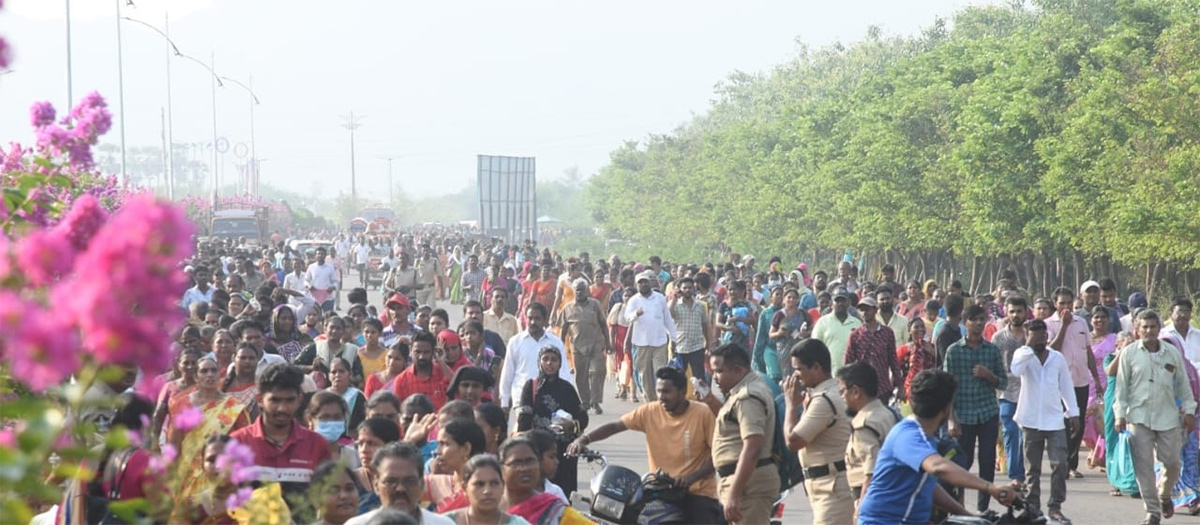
point(1017, 513)
point(621, 497)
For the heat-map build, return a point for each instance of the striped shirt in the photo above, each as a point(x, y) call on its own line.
point(689, 322)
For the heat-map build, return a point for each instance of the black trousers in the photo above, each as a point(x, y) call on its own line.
point(702, 510)
point(1075, 439)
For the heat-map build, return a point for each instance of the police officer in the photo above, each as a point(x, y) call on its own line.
point(822, 432)
point(427, 273)
point(859, 384)
point(742, 439)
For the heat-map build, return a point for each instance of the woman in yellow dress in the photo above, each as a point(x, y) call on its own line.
point(219, 414)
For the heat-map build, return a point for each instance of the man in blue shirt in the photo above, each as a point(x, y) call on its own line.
point(902, 489)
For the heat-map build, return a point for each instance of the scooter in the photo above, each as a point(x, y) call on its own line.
point(621, 497)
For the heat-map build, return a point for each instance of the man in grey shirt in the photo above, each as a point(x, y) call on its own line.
point(1009, 339)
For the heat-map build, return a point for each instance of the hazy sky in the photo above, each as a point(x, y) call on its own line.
point(436, 82)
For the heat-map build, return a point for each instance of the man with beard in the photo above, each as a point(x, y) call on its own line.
point(284, 451)
point(1046, 389)
point(1008, 339)
point(400, 485)
point(681, 445)
point(427, 375)
point(872, 422)
point(821, 433)
point(890, 318)
point(521, 364)
point(201, 292)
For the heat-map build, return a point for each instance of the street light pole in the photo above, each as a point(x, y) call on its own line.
point(252, 172)
point(70, 97)
point(121, 91)
point(391, 185)
point(170, 117)
point(216, 82)
point(351, 123)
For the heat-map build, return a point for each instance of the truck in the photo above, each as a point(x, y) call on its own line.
point(237, 220)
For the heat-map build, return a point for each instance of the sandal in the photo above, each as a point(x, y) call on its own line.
point(1151, 520)
point(1057, 516)
point(1168, 507)
point(1116, 493)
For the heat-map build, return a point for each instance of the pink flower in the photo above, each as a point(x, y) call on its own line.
point(8, 438)
point(41, 114)
point(237, 460)
point(81, 223)
point(39, 351)
point(44, 255)
point(4, 54)
point(159, 463)
point(239, 498)
point(188, 419)
point(5, 257)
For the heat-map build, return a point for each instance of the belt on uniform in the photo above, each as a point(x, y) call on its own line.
point(824, 470)
point(728, 470)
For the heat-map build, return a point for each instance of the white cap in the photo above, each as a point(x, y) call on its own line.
point(1089, 284)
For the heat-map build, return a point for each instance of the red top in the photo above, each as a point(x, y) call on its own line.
point(462, 361)
point(292, 463)
point(434, 387)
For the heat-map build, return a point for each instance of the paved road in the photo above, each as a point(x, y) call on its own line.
point(1087, 502)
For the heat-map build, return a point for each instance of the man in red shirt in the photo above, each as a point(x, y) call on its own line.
point(426, 375)
point(284, 451)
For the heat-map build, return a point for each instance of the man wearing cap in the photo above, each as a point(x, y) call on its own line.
point(652, 328)
point(399, 307)
point(1090, 292)
point(585, 329)
point(835, 327)
point(875, 345)
point(1137, 301)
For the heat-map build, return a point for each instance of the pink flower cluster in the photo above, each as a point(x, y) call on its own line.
point(237, 462)
point(83, 127)
point(190, 418)
point(92, 284)
point(3, 47)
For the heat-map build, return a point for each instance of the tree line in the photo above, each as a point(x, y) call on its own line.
point(1060, 138)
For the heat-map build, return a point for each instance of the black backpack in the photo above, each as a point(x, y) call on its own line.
point(97, 500)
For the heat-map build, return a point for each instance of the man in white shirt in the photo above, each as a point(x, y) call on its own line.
point(201, 291)
point(400, 485)
point(650, 320)
point(321, 280)
point(1046, 387)
point(294, 285)
point(521, 364)
point(1180, 327)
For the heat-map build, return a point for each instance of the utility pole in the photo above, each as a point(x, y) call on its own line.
point(352, 123)
point(391, 185)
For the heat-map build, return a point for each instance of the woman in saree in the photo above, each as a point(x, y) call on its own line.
point(356, 402)
point(523, 497)
point(222, 414)
point(314, 321)
point(184, 380)
point(1186, 492)
point(600, 290)
point(457, 442)
point(223, 349)
point(239, 384)
point(540, 291)
point(1103, 344)
point(482, 484)
point(454, 265)
point(1122, 482)
point(285, 335)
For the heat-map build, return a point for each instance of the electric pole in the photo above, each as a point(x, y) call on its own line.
point(391, 185)
point(352, 123)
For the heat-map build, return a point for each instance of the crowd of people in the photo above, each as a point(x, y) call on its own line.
point(387, 413)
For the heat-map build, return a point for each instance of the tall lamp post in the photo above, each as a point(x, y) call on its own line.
point(391, 185)
point(352, 123)
point(172, 50)
point(121, 88)
point(252, 176)
point(216, 82)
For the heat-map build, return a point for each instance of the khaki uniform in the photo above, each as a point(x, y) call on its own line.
point(427, 272)
point(825, 428)
point(741, 417)
point(586, 332)
point(868, 430)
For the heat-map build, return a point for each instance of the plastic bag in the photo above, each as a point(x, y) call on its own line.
point(1120, 464)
